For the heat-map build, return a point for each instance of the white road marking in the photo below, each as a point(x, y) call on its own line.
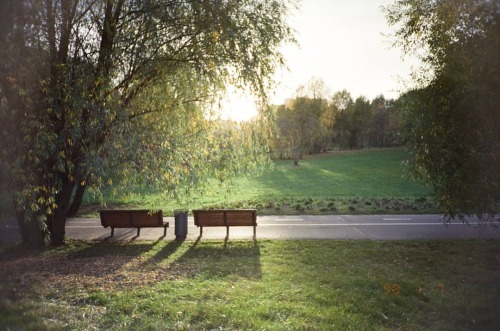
point(364, 224)
point(396, 219)
point(289, 219)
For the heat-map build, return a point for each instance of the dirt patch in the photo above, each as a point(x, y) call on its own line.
point(24, 272)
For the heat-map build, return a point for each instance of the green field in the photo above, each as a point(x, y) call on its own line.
point(352, 182)
point(247, 285)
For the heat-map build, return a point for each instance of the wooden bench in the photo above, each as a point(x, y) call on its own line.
point(132, 219)
point(225, 217)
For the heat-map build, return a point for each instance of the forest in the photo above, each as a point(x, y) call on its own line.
point(314, 123)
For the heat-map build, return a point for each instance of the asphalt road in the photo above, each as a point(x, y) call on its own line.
point(373, 227)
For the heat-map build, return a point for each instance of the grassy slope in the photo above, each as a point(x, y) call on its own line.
point(373, 181)
point(352, 182)
point(369, 174)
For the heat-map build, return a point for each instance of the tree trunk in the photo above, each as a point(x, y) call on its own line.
point(77, 200)
point(31, 230)
point(57, 223)
point(297, 155)
point(58, 230)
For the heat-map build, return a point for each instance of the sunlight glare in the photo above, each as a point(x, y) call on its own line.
point(238, 106)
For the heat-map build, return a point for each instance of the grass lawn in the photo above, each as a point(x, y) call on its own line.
point(351, 182)
point(247, 285)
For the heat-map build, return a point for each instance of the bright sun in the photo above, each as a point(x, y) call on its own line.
point(238, 107)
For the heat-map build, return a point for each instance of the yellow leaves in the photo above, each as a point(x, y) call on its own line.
point(44, 85)
point(38, 189)
point(49, 204)
point(34, 207)
point(166, 176)
point(215, 35)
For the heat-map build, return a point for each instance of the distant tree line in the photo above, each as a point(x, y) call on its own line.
point(313, 123)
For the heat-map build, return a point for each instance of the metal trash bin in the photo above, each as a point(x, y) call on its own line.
point(181, 224)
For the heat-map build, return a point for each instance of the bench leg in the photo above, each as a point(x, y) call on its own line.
point(138, 231)
point(227, 231)
point(164, 231)
point(201, 231)
point(112, 231)
point(254, 232)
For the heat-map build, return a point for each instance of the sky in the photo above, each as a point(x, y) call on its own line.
point(347, 44)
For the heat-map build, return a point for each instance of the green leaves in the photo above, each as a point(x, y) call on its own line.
point(453, 122)
point(120, 90)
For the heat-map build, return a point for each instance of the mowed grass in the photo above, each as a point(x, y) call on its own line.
point(353, 182)
point(368, 174)
point(247, 285)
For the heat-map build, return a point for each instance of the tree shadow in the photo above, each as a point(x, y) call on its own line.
point(115, 248)
point(211, 259)
point(100, 259)
point(77, 266)
point(124, 234)
point(124, 265)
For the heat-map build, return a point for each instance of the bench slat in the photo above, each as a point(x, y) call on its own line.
point(237, 218)
point(115, 218)
point(138, 218)
point(145, 219)
point(209, 218)
point(225, 217)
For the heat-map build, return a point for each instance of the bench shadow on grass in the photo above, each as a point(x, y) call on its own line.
point(105, 258)
point(113, 262)
point(211, 259)
point(121, 234)
point(22, 268)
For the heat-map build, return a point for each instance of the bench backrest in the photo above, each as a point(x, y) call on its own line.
point(131, 218)
point(225, 217)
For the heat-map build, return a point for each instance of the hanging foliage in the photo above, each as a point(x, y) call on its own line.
point(93, 91)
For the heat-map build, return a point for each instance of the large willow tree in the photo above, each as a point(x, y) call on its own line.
point(453, 117)
point(97, 90)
